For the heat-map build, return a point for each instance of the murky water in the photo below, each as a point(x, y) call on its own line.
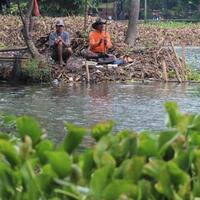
point(192, 55)
point(133, 106)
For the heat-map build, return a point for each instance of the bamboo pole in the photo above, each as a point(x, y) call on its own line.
point(179, 62)
point(175, 68)
point(164, 68)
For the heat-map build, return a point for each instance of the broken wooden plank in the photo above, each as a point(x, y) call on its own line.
point(3, 58)
point(14, 49)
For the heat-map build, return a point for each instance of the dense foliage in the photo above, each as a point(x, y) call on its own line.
point(167, 8)
point(55, 8)
point(119, 166)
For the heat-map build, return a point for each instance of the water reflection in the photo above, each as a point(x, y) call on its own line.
point(133, 106)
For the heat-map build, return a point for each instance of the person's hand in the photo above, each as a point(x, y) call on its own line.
point(59, 39)
point(100, 41)
point(105, 41)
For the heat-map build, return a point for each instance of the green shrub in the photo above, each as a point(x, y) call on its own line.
point(32, 72)
point(126, 165)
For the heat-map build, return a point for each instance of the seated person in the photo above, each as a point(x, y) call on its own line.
point(60, 44)
point(99, 42)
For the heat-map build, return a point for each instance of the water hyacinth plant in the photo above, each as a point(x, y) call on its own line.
point(122, 166)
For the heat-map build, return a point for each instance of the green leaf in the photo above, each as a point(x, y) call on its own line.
point(196, 160)
point(104, 159)
point(88, 164)
point(183, 159)
point(132, 170)
point(195, 139)
point(173, 113)
point(29, 126)
point(196, 189)
point(153, 168)
point(195, 126)
point(148, 145)
point(101, 151)
point(166, 139)
point(4, 136)
point(99, 181)
point(102, 129)
point(120, 187)
point(42, 148)
point(45, 182)
point(47, 169)
point(10, 153)
point(74, 137)
point(70, 190)
point(6, 181)
point(60, 162)
point(146, 190)
point(173, 180)
point(123, 147)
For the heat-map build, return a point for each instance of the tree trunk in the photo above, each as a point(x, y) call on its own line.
point(27, 29)
point(133, 19)
point(198, 7)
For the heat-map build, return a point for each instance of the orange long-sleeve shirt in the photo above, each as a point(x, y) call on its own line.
point(95, 37)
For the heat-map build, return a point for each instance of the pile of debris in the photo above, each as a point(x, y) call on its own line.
point(148, 34)
point(154, 58)
point(156, 63)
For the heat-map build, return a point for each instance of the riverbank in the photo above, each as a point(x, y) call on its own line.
point(149, 60)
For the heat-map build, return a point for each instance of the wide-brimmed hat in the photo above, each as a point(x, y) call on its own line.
point(98, 21)
point(60, 22)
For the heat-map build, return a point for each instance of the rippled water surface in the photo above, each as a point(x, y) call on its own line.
point(192, 55)
point(133, 106)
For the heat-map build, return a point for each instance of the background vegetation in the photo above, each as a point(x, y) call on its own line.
point(169, 9)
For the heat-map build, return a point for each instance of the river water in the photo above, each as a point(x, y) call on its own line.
point(135, 106)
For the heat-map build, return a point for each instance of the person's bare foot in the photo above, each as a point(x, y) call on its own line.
point(62, 63)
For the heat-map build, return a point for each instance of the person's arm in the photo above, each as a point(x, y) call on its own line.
point(65, 40)
point(92, 42)
point(52, 39)
point(108, 42)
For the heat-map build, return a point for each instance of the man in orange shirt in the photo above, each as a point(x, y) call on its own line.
point(99, 41)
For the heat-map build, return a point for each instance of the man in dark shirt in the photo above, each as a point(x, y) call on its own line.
point(60, 44)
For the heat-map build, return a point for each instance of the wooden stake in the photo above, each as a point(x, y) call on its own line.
point(179, 62)
point(87, 71)
point(175, 68)
point(164, 68)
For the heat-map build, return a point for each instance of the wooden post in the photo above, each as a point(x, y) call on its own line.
point(164, 68)
point(87, 71)
point(145, 10)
